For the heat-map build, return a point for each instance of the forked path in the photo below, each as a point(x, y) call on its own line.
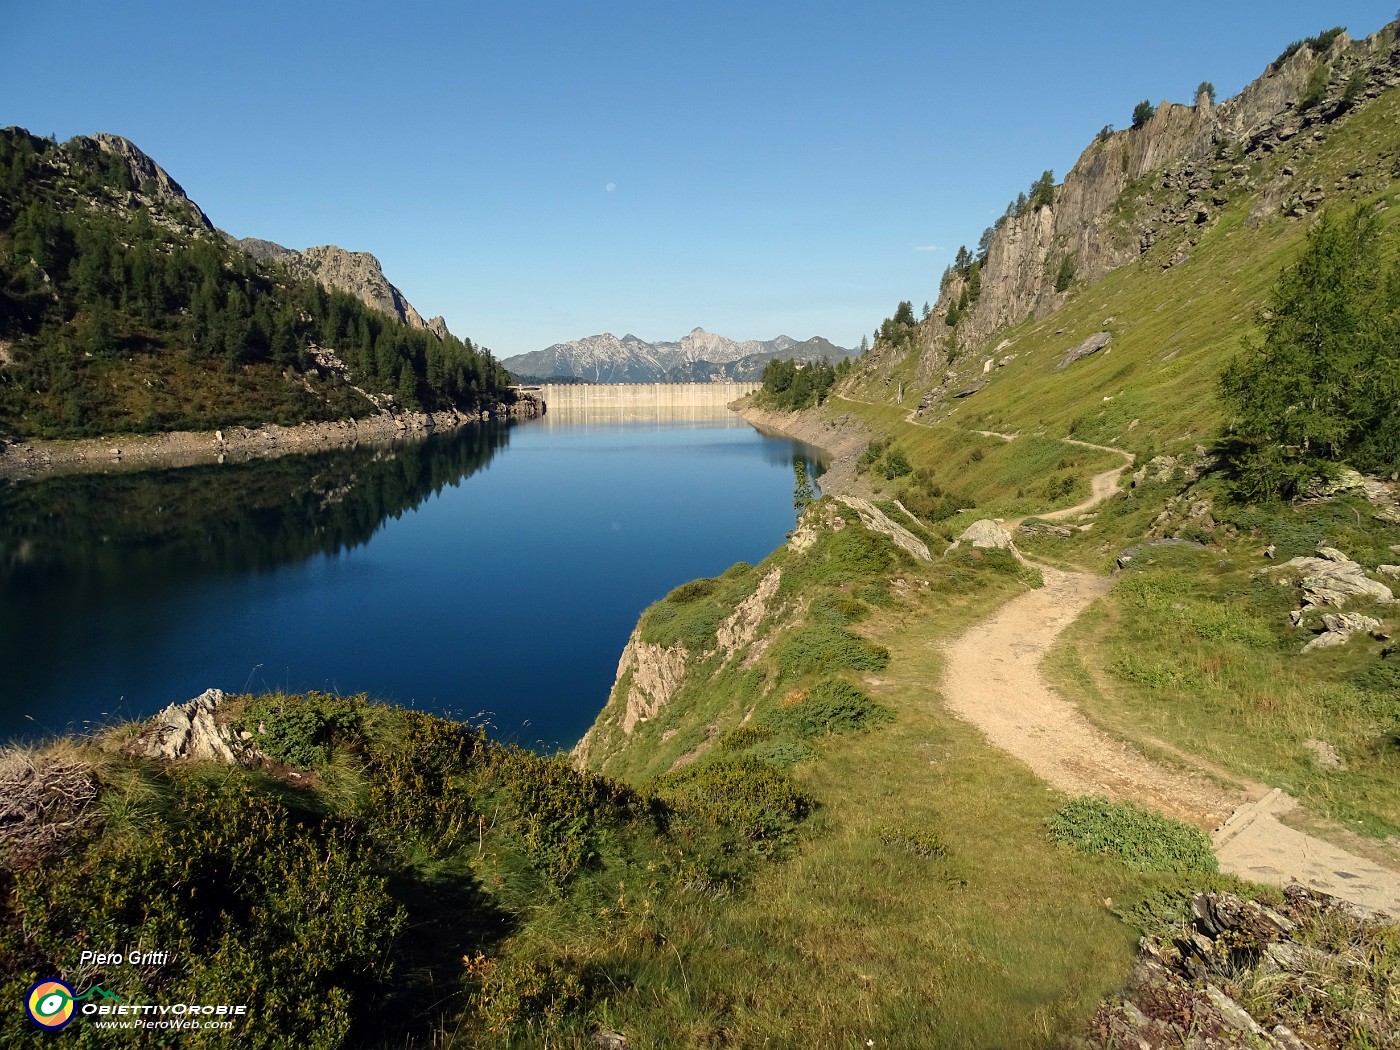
point(993, 679)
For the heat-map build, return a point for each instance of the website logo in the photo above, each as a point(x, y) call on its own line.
point(50, 1005)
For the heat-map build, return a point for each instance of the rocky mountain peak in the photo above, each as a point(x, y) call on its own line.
point(149, 177)
point(1179, 168)
point(358, 273)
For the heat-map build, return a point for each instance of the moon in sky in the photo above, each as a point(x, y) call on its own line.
point(610, 187)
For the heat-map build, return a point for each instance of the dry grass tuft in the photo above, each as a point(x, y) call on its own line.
point(44, 797)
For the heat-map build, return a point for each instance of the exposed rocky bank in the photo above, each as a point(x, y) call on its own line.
point(30, 460)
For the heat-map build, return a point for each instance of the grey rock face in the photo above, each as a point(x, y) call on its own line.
point(149, 177)
point(874, 519)
point(986, 534)
point(190, 731)
point(1092, 345)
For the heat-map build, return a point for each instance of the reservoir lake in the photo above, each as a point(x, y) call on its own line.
point(493, 573)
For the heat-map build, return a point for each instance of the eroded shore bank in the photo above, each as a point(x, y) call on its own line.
point(842, 437)
point(31, 460)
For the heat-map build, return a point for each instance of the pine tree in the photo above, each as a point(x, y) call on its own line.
point(1324, 384)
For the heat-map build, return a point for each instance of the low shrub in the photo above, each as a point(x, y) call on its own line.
point(302, 731)
point(832, 706)
point(821, 648)
point(742, 794)
point(1140, 838)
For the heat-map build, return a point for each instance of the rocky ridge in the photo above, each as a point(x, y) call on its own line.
point(1151, 191)
point(1238, 973)
point(698, 356)
point(358, 273)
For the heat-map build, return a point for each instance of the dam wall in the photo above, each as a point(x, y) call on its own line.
point(641, 402)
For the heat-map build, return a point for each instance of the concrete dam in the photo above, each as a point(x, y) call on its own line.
point(639, 402)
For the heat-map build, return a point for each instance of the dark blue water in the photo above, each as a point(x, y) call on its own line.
point(495, 571)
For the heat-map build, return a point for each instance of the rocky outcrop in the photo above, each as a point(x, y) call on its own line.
point(1337, 629)
point(357, 273)
point(1092, 345)
point(648, 676)
point(740, 627)
point(1331, 578)
point(150, 179)
point(986, 534)
point(191, 731)
point(876, 520)
point(1159, 184)
point(1186, 987)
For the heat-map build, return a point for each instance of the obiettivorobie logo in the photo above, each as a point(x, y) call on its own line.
point(50, 1003)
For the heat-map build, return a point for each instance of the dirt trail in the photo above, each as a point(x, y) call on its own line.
point(993, 679)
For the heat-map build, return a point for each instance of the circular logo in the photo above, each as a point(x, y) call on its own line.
point(50, 1005)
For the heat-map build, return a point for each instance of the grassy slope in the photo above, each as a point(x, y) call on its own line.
point(997, 938)
point(1193, 649)
point(1173, 330)
point(1020, 947)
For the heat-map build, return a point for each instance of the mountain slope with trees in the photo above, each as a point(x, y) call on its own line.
point(123, 311)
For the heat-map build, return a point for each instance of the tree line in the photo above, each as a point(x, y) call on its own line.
point(98, 284)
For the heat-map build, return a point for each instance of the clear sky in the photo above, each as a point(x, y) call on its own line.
point(537, 172)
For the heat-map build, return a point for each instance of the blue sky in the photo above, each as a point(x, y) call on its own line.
point(539, 171)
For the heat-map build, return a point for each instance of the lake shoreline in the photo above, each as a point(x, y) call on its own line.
point(842, 438)
point(34, 460)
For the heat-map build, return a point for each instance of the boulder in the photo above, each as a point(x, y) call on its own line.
point(1092, 345)
point(1332, 578)
point(986, 534)
point(877, 520)
point(1339, 627)
point(190, 731)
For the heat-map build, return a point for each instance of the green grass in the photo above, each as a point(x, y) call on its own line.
point(997, 478)
point(1138, 837)
point(1194, 649)
point(1154, 388)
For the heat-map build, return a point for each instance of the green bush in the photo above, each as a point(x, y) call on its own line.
point(897, 464)
point(693, 591)
point(832, 706)
point(303, 730)
point(742, 794)
point(876, 594)
point(838, 610)
point(1315, 90)
point(288, 916)
point(873, 451)
point(819, 649)
point(1064, 276)
point(1140, 838)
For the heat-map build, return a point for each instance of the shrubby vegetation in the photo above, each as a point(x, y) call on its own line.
point(1323, 385)
point(339, 891)
point(126, 318)
point(790, 386)
point(1140, 838)
point(1317, 44)
point(1143, 112)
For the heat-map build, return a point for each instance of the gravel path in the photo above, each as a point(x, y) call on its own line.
point(993, 679)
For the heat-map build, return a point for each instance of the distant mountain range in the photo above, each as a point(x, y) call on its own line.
point(698, 357)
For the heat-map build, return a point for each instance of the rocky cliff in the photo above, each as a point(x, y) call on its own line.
point(358, 273)
point(1150, 191)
